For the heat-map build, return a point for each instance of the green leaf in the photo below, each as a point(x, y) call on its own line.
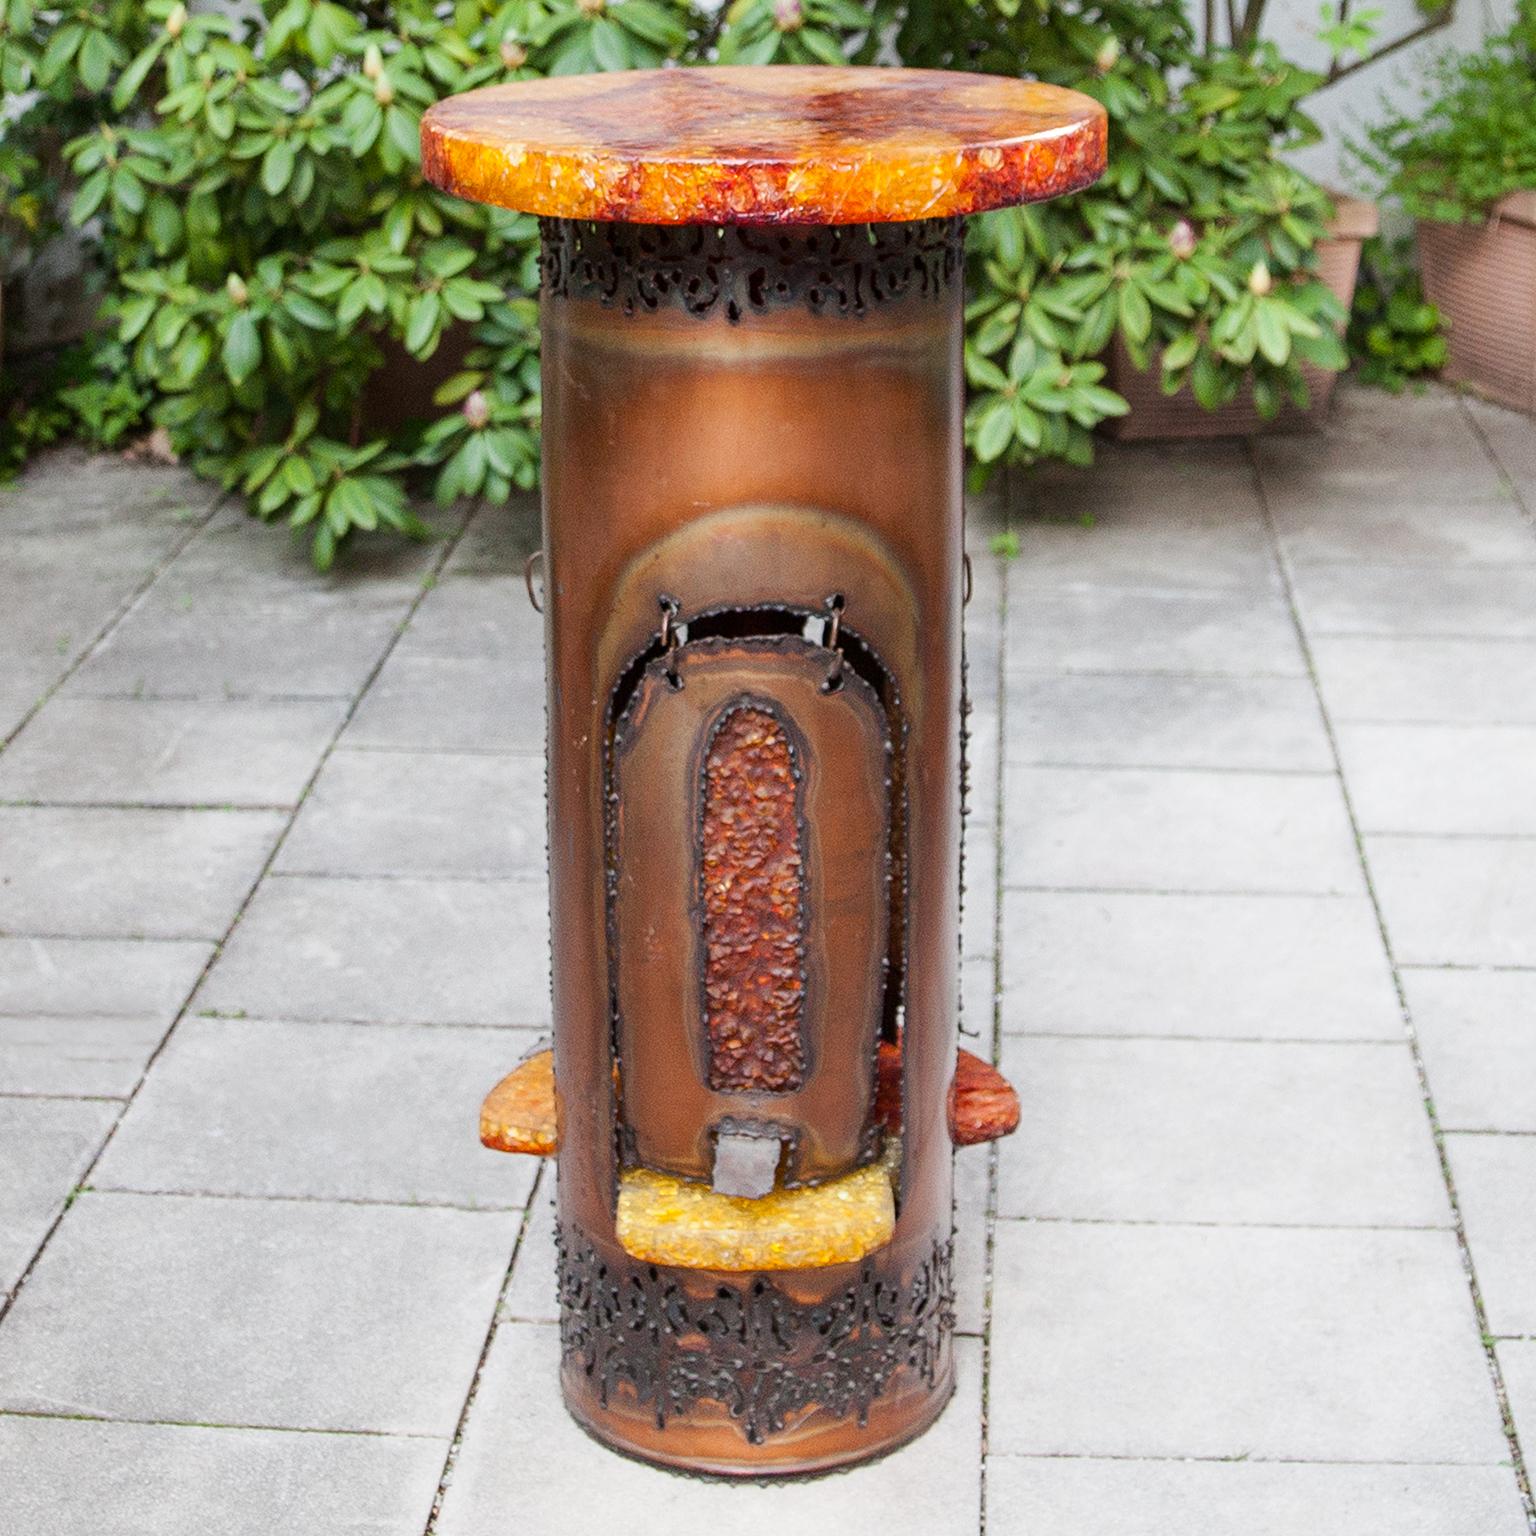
point(133, 77)
point(1135, 313)
point(610, 47)
point(307, 311)
point(92, 193)
point(994, 431)
point(1273, 335)
point(821, 45)
point(242, 348)
point(421, 323)
point(277, 167)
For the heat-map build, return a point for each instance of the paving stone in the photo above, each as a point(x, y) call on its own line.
point(978, 907)
point(129, 873)
point(1457, 901)
point(71, 489)
point(200, 636)
point(1477, 1031)
point(1166, 722)
point(1135, 531)
point(88, 1056)
point(238, 551)
point(45, 1145)
point(324, 1111)
point(1414, 528)
point(1136, 829)
point(1243, 967)
point(1441, 778)
point(1250, 1343)
point(68, 1475)
point(1448, 601)
point(1509, 435)
point(19, 694)
point(421, 813)
point(1517, 1365)
point(498, 539)
point(1496, 1187)
point(388, 951)
point(1090, 1497)
point(99, 976)
point(167, 752)
point(973, 1183)
point(470, 618)
point(1471, 682)
point(1088, 628)
point(530, 1295)
point(521, 1449)
point(473, 704)
point(1378, 449)
point(1219, 1131)
point(285, 1314)
point(978, 1005)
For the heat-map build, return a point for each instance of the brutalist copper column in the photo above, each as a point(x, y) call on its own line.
point(753, 574)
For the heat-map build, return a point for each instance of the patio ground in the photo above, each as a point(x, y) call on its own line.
point(1251, 923)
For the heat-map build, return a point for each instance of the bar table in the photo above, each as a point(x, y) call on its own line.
point(752, 315)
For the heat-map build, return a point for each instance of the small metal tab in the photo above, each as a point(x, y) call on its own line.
point(746, 1165)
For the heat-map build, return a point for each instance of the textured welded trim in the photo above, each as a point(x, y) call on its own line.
point(704, 268)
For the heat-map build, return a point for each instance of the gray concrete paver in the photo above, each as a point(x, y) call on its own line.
point(1477, 1030)
point(80, 1477)
point(1161, 830)
point(98, 976)
point(1240, 967)
point(1472, 682)
point(1166, 722)
point(283, 1314)
point(129, 873)
point(1220, 1131)
point(45, 1145)
point(1230, 1342)
point(449, 703)
point(1446, 601)
point(169, 752)
point(81, 1055)
point(1457, 900)
point(1496, 1187)
point(1089, 628)
point(389, 951)
point(1442, 778)
point(476, 815)
point(1093, 1497)
point(321, 1111)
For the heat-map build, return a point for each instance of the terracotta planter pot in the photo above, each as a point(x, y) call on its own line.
point(1155, 415)
point(1482, 277)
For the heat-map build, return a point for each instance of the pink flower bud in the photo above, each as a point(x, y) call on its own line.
point(1259, 280)
point(788, 15)
point(1182, 240)
point(477, 410)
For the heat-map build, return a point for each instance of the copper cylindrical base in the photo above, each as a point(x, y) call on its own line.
point(742, 427)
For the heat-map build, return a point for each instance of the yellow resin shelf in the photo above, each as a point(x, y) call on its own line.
point(666, 1220)
point(520, 1113)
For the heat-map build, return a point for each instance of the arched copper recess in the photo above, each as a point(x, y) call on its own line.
point(751, 875)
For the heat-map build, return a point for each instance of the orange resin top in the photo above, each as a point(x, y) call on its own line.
point(771, 144)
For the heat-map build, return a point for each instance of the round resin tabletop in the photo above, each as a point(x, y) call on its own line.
point(777, 144)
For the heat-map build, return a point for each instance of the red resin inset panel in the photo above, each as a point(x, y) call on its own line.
point(772, 144)
point(751, 885)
